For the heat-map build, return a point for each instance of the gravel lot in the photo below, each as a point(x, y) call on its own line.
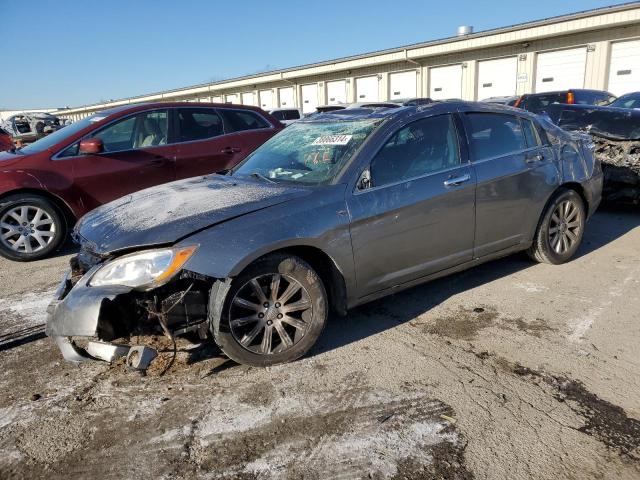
point(510, 370)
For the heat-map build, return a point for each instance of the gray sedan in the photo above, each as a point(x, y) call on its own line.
point(332, 212)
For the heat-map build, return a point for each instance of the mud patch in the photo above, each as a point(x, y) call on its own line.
point(535, 327)
point(464, 324)
point(261, 395)
point(604, 421)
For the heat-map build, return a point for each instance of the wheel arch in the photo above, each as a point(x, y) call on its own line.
point(575, 186)
point(324, 265)
point(66, 211)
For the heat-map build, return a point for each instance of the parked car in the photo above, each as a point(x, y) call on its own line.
point(330, 213)
point(509, 100)
point(287, 115)
point(615, 131)
point(538, 102)
point(6, 142)
point(29, 127)
point(49, 184)
point(628, 100)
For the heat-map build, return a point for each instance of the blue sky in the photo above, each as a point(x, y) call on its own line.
point(67, 53)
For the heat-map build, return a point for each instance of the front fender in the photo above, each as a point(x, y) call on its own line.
point(319, 220)
point(18, 179)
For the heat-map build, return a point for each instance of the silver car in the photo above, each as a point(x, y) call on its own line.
point(332, 212)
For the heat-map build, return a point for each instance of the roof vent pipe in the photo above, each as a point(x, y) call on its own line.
point(464, 30)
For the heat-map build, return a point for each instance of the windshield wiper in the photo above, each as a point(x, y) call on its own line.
point(261, 177)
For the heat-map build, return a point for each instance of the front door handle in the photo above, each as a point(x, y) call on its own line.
point(455, 181)
point(231, 150)
point(534, 157)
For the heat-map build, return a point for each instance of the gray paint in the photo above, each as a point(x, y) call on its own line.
point(381, 239)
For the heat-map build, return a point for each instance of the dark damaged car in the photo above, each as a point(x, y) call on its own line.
point(332, 212)
point(615, 132)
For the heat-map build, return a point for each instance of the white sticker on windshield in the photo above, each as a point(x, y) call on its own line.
point(96, 119)
point(332, 140)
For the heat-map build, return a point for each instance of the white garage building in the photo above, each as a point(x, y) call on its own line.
point(597, 49)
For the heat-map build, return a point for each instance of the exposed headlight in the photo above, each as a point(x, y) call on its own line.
point(144, 269)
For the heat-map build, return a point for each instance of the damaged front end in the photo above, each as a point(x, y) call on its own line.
point(95, 320)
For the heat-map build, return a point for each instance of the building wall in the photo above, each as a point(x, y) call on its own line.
point(595, 31)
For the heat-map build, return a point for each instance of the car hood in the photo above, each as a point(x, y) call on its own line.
point(168, 213)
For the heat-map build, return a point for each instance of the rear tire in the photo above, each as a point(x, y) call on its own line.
point(561, 229)
point(273, 313)
point(31, 227)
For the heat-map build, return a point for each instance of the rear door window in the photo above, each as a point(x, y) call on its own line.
point(240, 120)
point(198, 124)
point(424, 146)
point(593, 98)
point(538, 102)
point(494, 135)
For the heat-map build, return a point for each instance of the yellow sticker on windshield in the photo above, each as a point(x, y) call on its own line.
point(332, 140)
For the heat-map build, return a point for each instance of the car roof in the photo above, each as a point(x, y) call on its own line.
point(437, 107)
point(134, 107)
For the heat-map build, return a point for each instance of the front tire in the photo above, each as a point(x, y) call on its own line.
point(560, 230)
point(31, 227)
point(273, 313)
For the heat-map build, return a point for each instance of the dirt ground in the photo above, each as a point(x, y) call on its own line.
point(512, 370)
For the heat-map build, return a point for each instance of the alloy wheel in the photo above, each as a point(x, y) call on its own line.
point(564, 227)
point(270, 314)
point(27, 229)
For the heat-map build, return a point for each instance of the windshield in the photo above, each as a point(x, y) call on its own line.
point(627, 101)
point(311, 153)
point(59, 135)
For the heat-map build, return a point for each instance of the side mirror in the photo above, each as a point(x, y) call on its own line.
point(91, 146)
point(364, 181)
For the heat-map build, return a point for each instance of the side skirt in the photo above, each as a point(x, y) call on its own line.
point(443, 273)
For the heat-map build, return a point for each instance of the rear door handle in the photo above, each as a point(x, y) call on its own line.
point(231, 150)
point(455, 181)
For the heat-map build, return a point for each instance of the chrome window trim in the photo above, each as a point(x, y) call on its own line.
point(57, 156)
point(412, 179)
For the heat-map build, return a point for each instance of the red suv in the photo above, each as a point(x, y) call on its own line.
point(46, 186)
point(6, 143)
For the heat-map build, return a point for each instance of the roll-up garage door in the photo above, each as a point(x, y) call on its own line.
point(624, 72)
point(309, 98)
point(247, 98)
point(336, 92)
point(367, 89)
point(445, 82)
point(233, 98)
point(402, 85)
point(561, 70)
point(266, 99)
point(286, 97)
point(497, 78)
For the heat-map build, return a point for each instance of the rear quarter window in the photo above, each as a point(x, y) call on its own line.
point(241, 120)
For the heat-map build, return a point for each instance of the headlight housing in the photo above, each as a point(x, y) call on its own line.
point(149, 268)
